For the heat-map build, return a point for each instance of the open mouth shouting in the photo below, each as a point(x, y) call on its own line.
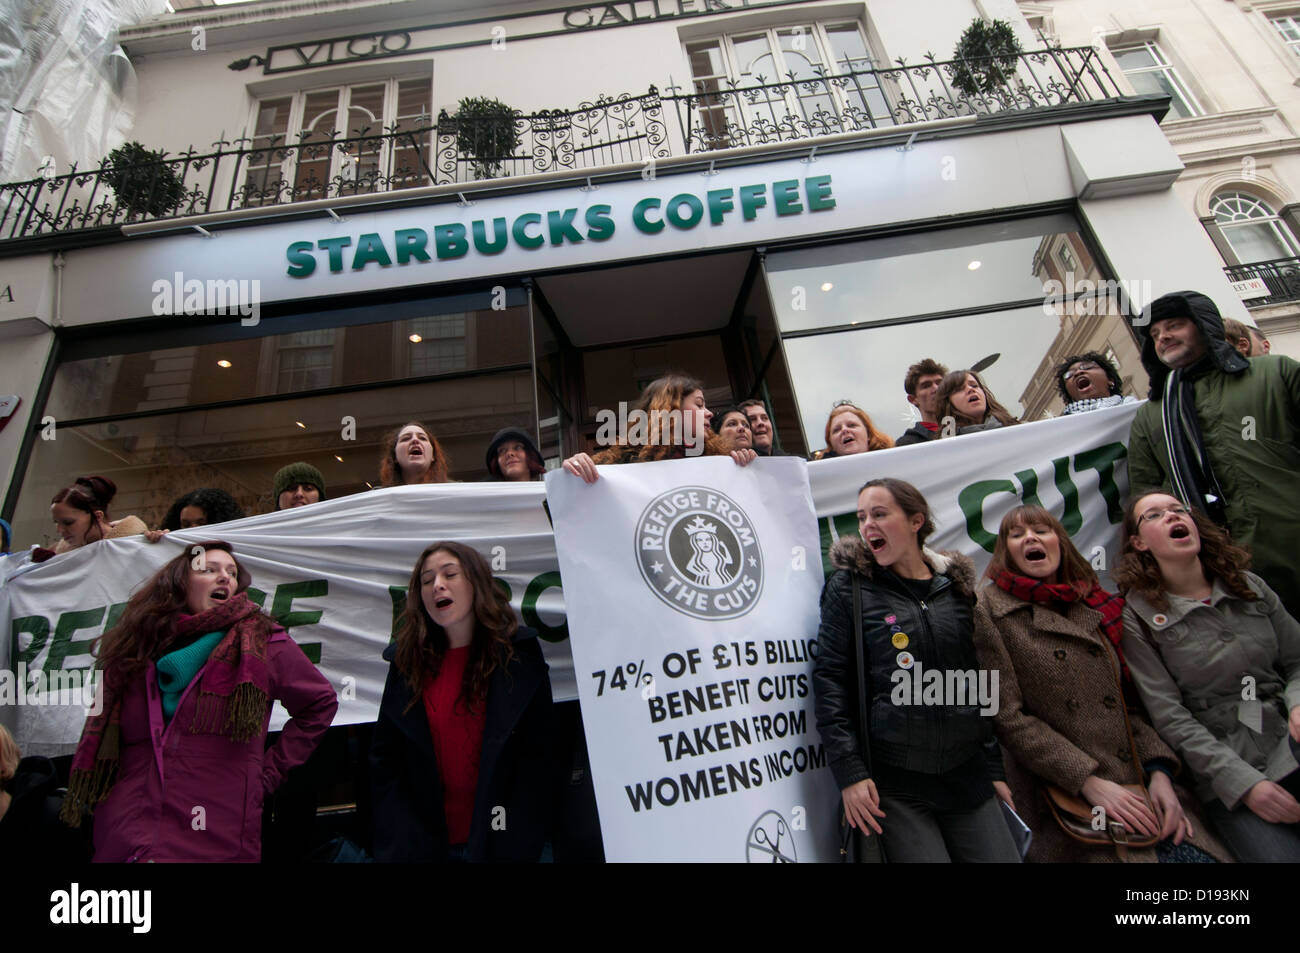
point(1035, 553)
point(1180, 531)
point(219, 594)
point(876, 543)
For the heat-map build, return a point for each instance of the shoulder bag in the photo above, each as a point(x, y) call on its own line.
point(1074, 814)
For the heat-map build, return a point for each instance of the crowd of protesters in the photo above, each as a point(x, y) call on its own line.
point(1130, 703)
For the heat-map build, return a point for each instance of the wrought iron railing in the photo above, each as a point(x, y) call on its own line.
point(1281, 278)
point(268, 171)
point(794, 108)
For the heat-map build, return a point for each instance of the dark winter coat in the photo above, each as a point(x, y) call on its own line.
point(514, 768)
point(30, 830)
point(932, 739)
point(1249, 416)
point(917, 433)
point(1060, 717)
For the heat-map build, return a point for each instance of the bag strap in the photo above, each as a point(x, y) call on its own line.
point(1123, 705)
point(858, 653)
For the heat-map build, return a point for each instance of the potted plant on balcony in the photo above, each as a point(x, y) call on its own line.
point(143, 182)
point(985, 57)
point(486, 132)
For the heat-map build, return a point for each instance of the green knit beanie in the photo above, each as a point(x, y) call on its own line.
point(294, 474)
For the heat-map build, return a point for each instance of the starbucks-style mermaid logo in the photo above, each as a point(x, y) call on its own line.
point(710, 559)
point(698, 552)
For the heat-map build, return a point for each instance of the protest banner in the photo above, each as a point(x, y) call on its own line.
point(692, 609)
point(336, 571)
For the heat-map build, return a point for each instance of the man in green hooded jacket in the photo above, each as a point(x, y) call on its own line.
point(1222, 433)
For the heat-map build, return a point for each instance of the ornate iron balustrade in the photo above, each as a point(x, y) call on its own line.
point(791, 109)
point(267, 171)
point(1281, 276)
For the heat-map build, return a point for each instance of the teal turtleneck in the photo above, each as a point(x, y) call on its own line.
point(177, 669)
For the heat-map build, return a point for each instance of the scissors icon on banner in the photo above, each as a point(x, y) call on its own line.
point(765, 846)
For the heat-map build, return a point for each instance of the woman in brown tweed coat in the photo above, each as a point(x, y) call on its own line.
point(1052, 634)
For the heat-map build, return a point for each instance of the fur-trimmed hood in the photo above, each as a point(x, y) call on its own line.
point(851, 553)
point(1205, 315)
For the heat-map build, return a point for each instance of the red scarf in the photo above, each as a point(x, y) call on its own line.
point(1110, 606)
point(234, 691)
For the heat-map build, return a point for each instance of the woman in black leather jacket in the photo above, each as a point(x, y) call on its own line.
point(935, 768)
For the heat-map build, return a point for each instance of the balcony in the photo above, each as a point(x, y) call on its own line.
point(244, 173)
point(1265, 283)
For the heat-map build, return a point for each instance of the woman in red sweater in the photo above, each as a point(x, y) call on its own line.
point(460, 757)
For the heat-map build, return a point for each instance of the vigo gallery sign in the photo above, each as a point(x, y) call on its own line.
point(496, 31)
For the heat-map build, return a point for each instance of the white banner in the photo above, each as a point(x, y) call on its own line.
point(339, 568)
point(692, 599)
point(1076, 466)
point(335, 573)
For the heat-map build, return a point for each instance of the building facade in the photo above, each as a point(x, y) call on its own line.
point(792, 200)
point(1231, 70)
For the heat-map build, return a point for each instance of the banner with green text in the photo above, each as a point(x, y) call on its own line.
point(335, 572)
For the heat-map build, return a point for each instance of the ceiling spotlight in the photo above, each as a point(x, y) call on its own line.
point(223, 363)
point(827, 286)
point(301, 424)
point(369, 485)
point(338, 458)
point(414, 338)
point(974, 266)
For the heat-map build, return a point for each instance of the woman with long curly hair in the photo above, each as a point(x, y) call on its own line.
point(1216, 659)
point(966, 405)
point(670, 421)
point(460, 760)
point(849, 430)
point(1052, 633)
point(412, 454)
point(174, 763)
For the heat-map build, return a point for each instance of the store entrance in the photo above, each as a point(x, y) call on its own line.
point(601, 335)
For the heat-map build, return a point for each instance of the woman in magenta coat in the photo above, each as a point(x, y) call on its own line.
point(174, 762)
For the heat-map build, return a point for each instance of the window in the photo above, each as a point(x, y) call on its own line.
point(343, 140)
point(306, 360)
point(441, 345)
point(808, 78)
point(1150, 71)
point(195, 410)
point(1066, 258)
point(1288, 27)
point(982, 295)
point(1251, 228)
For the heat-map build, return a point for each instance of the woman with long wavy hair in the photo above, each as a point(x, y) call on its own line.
point(412, 454)
point(174, 761)
point(966, 405)
point(1216, 658)
point(670, 421)
point(460, 760)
